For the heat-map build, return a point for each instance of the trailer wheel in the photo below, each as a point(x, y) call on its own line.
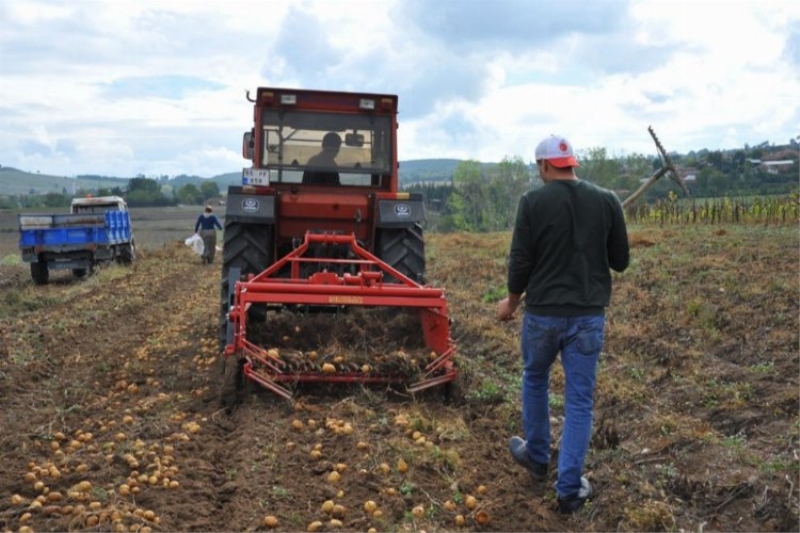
point(248, 248)
point(404, 250)
point(127, 253)
point(40, 273)
point(79, 272)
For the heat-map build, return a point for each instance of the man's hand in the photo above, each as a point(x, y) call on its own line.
point(507, 306)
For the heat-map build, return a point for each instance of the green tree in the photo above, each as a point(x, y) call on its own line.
point(146, 192)
point(144, 185)
point(453, 219)
point(512, 180)
point(711, 182)
point(209, 189)
point(482, 201)
point(189, 194)
point(9, 202)
point(54, 199)
point(636, 168)
point(466, 204)
point(435, 195)
point(739, 158)
point(598, 168)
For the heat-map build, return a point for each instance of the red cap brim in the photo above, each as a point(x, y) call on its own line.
point(563, 162)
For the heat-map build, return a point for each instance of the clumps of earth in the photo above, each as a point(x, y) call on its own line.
point(361, 340)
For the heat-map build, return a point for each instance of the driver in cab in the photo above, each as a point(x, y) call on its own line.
point(326, 158)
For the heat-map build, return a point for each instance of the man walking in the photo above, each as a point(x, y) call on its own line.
point(566, 237)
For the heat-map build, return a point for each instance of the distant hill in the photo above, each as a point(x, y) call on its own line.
point(431, 170)
point(18, 182)
point(222, 181)
point(427, 170)
point(14, 182)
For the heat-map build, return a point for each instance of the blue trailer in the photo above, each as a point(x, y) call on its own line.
point(97, 230)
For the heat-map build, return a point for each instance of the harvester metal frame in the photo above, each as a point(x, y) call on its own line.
point(368, 287)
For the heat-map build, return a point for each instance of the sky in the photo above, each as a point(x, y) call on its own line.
point(157, 87)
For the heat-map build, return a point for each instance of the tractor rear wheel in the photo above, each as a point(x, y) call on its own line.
point(248, 248)
point(40, 273)
point(404, 250)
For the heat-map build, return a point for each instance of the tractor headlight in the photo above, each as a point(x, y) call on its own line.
point(366, 103)
point(289, 99)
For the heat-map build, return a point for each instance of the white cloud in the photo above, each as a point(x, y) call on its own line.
point(157, 86)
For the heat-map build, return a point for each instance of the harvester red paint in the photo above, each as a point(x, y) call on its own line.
point(319, 224)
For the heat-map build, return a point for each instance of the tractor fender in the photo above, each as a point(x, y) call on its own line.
point(249, 208)
point(401, 213)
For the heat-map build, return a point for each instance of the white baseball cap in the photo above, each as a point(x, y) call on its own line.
point(557, 151)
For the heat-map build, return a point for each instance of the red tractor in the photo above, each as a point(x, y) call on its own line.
point(320, 225)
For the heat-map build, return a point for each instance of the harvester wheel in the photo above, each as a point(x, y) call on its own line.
point(248, 248)
point(404, 250)
point(454, 391)
point(79, 272)
point(40, 273)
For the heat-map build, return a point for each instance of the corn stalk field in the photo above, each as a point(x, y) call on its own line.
point(766, 210)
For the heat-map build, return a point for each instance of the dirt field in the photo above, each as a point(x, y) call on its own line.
point(110, 417)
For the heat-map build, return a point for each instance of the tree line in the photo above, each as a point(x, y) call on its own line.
point(480, 198)
point(139, 192)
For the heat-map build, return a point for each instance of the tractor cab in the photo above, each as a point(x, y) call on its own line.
point(321, 138)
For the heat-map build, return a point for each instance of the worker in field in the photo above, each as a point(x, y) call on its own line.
point(331, 143)
point(206, 226)
point(567, 237)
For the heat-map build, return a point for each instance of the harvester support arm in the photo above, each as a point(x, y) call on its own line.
point(668, 168)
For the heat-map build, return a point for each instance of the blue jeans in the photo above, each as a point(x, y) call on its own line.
point(579, 339)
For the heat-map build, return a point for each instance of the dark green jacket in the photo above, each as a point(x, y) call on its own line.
point(567, 236)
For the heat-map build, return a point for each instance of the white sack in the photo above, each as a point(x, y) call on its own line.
point(196, 242)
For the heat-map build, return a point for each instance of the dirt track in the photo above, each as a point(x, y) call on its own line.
point(108, 387)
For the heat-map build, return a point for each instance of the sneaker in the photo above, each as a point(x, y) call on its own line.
point(519, 451)
point(570, 504)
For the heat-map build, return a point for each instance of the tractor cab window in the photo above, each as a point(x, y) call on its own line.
point(317, 148)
